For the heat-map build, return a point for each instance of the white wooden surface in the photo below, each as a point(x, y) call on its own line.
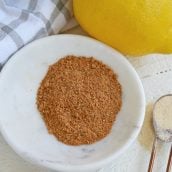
point(155, 72)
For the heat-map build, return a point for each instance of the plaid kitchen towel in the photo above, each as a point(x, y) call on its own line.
point(22, 21)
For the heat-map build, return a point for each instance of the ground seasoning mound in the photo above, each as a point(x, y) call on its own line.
point(79, 99)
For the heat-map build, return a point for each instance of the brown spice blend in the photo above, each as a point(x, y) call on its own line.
point(79, 99)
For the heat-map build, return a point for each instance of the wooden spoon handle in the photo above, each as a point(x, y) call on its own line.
point(169, 161)
point(153, 154)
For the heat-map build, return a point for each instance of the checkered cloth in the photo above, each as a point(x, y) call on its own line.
point(22, 21)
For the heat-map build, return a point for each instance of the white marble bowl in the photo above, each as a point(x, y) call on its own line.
point(22, 126)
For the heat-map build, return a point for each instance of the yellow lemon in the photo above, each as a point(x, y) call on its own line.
point(134, 27)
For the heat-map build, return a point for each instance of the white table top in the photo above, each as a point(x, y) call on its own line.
point(155, 72)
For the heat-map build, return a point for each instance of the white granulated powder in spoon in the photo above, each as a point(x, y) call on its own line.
point(162, 118)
